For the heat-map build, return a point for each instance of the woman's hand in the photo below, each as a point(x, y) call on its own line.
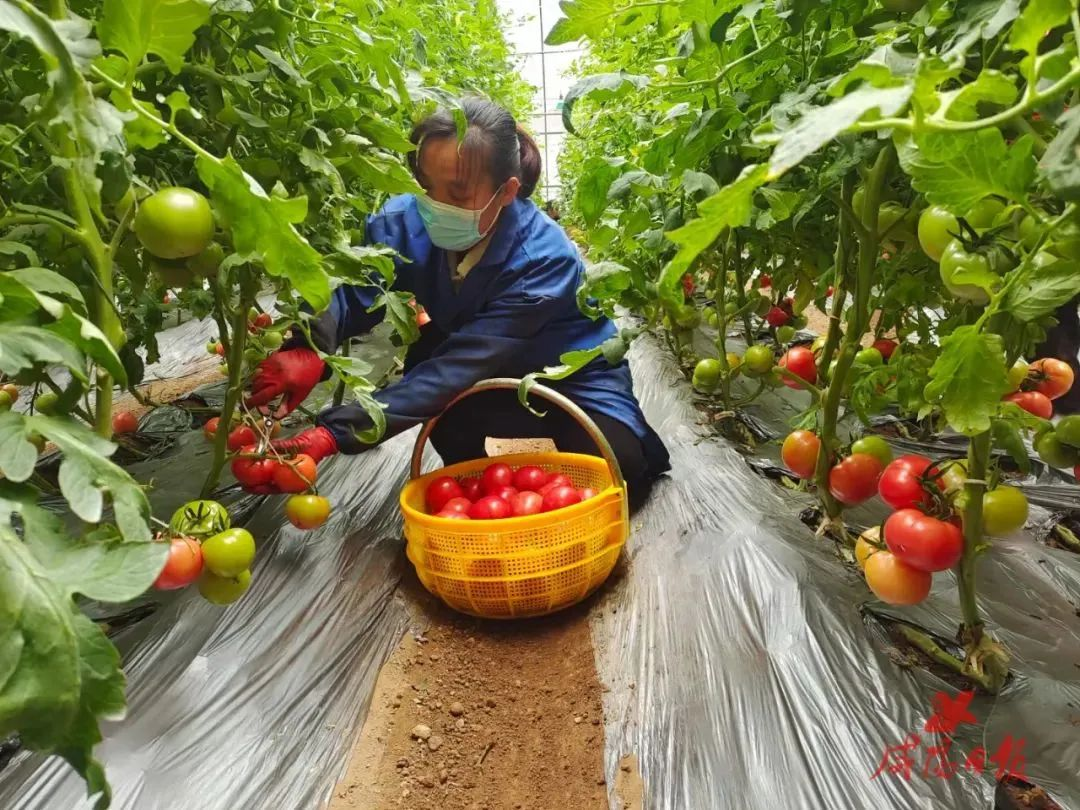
point(292, 372)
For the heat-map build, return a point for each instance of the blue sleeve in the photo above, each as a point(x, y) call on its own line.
point(478, 350)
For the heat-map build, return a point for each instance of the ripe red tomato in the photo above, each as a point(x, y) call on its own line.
point(776, 317)
point(560, 497)
point(182, 566)
point(295, 475)
point(527, 503)
point(765, 281)
point(490, 508)
point(210, 428)
point(307, 511)
point(556, 481)
point(587, 493)
point(895, 582)
point(800, 453)
point(923, 542)
point(496, 475)
point(124, 423)
point(800, 361)
point(855, 479)
point(1051, 377)
point(470, 488)
point(1033, 402)
point(450, 514)
point(506, 493)
point(530, 478)
point(886, 347)
point(263, 320)
point(901, 484)
point(241, 437)
point(441, 491)
point(462, 505)
point(253, 472)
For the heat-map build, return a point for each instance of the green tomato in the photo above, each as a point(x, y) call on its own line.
point(1005, 510)
point(983, 213)
point(688, 318)
point(785, 334)
point(175, 223)
point(797, 322)
point(173, 274)
point(1017, 374)
point(954, 476)
point(869, 357)
point(1066, 247)
point(272, 340)
point(890, 222)
point(1055, 452)
point(818, 344)
point(955, 260)
point(5, 401)
point(206, 264)
point(707, 373)
point(46, 403)
point(733, 362)
point(1068, 430)
point(757, 361)
point(936, 229)
point(1029, 232)
point(874, 446)
point(763, 306)
point(229, 553)
point(711, 318)
point(199, 519)
point(730, 308)
point(223, 590)
point(252, 314)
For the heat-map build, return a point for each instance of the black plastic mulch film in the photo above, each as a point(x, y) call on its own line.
point(739, 662)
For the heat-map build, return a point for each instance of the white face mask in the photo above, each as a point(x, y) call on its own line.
point(453, 228)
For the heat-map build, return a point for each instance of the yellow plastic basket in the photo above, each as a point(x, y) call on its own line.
point(522, 566)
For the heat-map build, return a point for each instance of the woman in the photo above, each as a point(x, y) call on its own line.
point(499, 280)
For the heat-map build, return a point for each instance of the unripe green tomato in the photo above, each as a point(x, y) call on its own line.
point(175, 223)
point(730, 308)
point(223, 590)
point(1055, 452)
point(707, 373)
point(5, 401)
point(1017, 374)
point(206, 264)
point(757, 361)
point(785, 334)
point(818, 344)
point(46, 403)
point(1005, 510)
point(874, 446)
point(982, 214)
point(869, 357)
point(273, 340)
point(229, 553)
point(711, 318)
point(763, 306)
point(1068, 430)
point(688, 318)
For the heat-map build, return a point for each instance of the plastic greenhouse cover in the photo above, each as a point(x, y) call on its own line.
point(741, 670)
point(743, 674)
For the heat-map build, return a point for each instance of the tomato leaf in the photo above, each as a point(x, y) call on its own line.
point(22, 347)
point(262, 225)
point(957, 169)
point(613, 350)
point(1038, 17)
point(354, 373)
point(1038, 291)
point(584, 19)
point(1061, 162)
point(968, 379)
point(591, 192)
point(603, 86)
point(604, 281)
point(1007, 436)
point(165, 28)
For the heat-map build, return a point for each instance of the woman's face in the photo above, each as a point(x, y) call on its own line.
point(448, 178)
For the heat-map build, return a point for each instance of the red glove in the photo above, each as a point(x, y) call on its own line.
point(292, 372)
point(317, 442)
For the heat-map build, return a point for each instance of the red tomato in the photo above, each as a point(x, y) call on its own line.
point(688, 285)
point(182, 566)
point(295, 475)
point(210, 428)
point(799, 360)
point(450, 514)
point(560, 497)
point(506, 493)
point(263, 320)
point(800, 453)
point(923, 542)
point(894, 581)
point(886, 347)
point(855, 479)
point(901, 484)
point(124, 423)
point(527, 503)
point(1051, 377)
point(253, 472)
point(587, 493)
point(462, 505)
point(829, 291)
point(490, 508)
point(219, 348)
point(1076, 471)
point(1033, 402)
point(241, 437)
point(776, 317)
point(764, 281)
point(557, 480)
point(496, 475)
point(440, 492)
point(470, 487)
point(530, 478)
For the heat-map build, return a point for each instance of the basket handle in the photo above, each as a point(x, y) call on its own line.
point(542, 391)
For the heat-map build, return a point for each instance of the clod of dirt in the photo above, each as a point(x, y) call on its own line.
point(435, 742)
point(421, 732)
point(457, 708)
point(427, 781)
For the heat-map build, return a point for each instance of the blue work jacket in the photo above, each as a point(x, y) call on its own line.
point(514, 313)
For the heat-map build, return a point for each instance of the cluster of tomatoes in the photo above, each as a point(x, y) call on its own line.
point(923, 534)
point(263, 340)
point(203, 548)
point(502, 492)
